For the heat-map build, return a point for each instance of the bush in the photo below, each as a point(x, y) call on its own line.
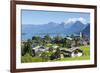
point(45, 56)
point(28, 58)
point(55, 55)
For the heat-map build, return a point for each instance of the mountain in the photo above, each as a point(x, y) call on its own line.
point(76, 27)
point(86, 30)
point(51, 28)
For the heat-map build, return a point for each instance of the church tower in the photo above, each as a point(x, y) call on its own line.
point(81, 36)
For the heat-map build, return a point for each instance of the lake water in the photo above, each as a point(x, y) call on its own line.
point(26, 36)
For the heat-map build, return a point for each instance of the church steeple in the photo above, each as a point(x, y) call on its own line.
point(81, 36)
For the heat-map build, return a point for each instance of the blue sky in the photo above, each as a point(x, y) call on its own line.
point(38, 17)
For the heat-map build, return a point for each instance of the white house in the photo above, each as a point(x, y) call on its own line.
point(72, 52)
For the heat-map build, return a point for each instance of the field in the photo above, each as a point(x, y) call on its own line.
point(86, 56)
point(86, 49)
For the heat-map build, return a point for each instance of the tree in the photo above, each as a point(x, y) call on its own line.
point(27, 48)
point(57, 53)
point(58, 40)
point(47, 38)
point(45, 56)
point(37, 39)
point(76, 41)
point(66, 43)
point(50, 49)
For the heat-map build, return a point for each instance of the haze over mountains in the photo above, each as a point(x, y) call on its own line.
point(51, 28)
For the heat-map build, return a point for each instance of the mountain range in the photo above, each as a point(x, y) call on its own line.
point(29, 30)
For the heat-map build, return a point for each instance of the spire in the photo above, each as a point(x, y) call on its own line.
point(80, 34)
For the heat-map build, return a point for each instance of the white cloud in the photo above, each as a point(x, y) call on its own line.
point(72, 20)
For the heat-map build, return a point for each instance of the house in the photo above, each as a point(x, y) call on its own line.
point(38, 50)
point(72, 52)
point(81, 39)
point(69, 38)
point(55, 46)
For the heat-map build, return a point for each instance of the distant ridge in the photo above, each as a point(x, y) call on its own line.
point(51, 27)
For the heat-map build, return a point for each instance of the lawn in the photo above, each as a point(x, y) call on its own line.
point(86, 56)
point(27, 59)
point(75, 58)
point(86, 49)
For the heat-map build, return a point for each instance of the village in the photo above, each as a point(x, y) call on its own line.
point(55, 49)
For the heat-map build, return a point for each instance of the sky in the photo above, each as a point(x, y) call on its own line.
point(39, 17)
